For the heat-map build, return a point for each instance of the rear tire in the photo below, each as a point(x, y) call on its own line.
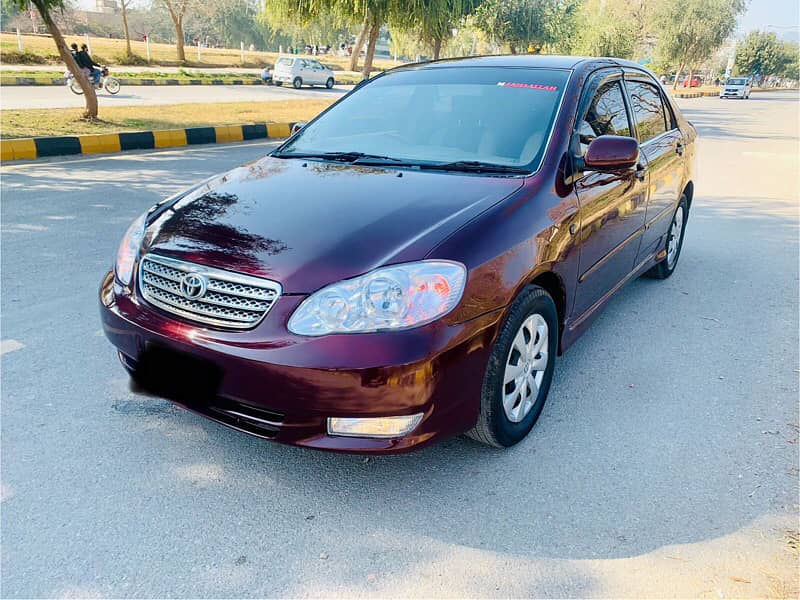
point(329, 84)
point(674, 243)
point(278, 83)
point(297, 83)
point(75, 87)
point(519, 372)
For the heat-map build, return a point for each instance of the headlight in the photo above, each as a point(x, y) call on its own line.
point(128, 250)
point(393, 297)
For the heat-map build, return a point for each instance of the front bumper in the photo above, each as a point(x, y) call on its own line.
point(283, 387)
point(732, 94)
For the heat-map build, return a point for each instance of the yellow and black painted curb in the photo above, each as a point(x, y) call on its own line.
point(713, 93)
point(133, 81)
point(40, 147)
point(40, 81)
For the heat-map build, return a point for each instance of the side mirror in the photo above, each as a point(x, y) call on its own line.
point(297, 127)
point(611, 153)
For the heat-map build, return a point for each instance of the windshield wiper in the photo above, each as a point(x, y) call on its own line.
point(339, 156)
point(475, 166)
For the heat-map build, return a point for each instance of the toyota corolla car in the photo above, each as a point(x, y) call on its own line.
point(408, 265)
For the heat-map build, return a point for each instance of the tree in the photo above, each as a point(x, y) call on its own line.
point(618, 28)
point(45, 8)
point(434, 20)
point(760, 53)
point(690, 31)
point(524, 24)
point(124, 4)
point(177, 11)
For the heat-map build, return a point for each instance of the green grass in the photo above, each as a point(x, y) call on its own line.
point(68, 121)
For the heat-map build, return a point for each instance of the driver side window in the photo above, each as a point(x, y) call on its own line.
point(605, 115)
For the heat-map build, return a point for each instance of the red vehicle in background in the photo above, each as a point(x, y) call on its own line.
point(695, 82)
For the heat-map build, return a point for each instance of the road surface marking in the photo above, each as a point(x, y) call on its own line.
point(7, 346)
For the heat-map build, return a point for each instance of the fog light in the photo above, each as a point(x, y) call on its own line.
point(378, 427)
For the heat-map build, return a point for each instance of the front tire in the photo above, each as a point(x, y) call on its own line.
point(329, 83)
point(674, 243)
point(297, 83)
point(519, 372)
point(111, 85)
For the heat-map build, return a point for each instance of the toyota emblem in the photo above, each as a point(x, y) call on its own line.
point(193, 286)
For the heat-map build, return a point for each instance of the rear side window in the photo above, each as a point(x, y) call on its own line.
point(285, 61)
point(648, 110)
point(605, 115)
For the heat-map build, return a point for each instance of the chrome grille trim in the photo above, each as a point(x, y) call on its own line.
point(231, 299)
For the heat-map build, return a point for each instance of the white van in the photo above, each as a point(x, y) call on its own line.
point(736, 87)
point(302, 71)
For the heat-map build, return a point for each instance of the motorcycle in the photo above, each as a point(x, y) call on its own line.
point(110, 84)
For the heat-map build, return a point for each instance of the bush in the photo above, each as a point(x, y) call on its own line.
point(23, 58)
point(133, 59)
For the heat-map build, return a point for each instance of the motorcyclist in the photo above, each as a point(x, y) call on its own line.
point(85, 62)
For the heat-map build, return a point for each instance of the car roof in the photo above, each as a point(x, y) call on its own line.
point(533, 61)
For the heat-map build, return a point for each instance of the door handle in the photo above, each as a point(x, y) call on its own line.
point(641, 172)
point(679, 149)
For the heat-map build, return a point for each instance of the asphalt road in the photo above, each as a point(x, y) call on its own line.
point(665, 463)
point(12, 96)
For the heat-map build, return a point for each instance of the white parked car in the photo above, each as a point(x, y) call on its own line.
point(302, 71)
point(736, 87)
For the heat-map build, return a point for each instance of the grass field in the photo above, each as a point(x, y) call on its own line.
point(67, 121)
point(110, 51)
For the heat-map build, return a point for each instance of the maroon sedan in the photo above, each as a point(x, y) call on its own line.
point(408, 265)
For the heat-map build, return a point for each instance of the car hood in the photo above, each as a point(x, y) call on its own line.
point(306, 224)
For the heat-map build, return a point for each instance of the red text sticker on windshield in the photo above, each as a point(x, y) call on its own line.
point(528, 86)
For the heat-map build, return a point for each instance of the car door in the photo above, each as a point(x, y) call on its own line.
point(612, 204)
point(661, 144)
point(304, 71)
point(319, 71)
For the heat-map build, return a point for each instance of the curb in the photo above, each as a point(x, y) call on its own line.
point(40, 147)
point(713, 94)
point(34, 81)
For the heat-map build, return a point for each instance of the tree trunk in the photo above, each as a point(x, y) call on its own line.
point(512, 48)
point(124, 6)
point(177, 20)
point(89, 94)
point(691, 74)
point(437, 47)
point(677, 76)
point(359, 43)
point(375, 29)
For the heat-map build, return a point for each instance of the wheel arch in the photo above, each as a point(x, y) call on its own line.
point(553, 285)
point(688, 191)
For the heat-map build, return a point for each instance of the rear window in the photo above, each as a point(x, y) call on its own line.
point(501, 116)
point(287, 62)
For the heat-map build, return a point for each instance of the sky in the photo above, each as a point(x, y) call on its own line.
point(780, 16)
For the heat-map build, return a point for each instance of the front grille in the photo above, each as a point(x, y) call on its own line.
point(219, 297)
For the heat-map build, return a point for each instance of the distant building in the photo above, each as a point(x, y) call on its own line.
point(106, 6)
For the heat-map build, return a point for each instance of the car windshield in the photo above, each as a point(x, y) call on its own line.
point(737, 82)
point(442, 115)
